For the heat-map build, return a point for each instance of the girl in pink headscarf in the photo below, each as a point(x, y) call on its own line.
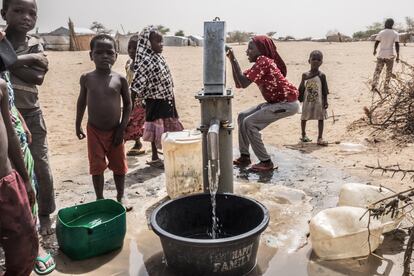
point(281, 99)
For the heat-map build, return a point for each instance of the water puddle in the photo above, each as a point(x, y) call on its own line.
point(293, 194)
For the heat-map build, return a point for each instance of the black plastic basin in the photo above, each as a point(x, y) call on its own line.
point(182, 225)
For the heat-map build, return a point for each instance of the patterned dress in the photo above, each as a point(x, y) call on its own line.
point(312, 108)
point(21, 135)
point(153, 82)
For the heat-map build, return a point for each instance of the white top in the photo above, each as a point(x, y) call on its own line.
point(387, 39)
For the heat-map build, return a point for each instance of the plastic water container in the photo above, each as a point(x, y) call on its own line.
point(340, 233)
point(183, 162)
point(352, 147)
point(91, 229)
point(361, 195)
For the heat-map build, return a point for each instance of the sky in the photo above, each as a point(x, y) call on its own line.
point(299, 18)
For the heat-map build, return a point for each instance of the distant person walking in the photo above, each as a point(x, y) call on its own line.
point(386, 39)
point(281, 99)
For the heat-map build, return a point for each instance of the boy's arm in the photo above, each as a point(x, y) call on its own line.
point(15, 153)
point(397, 49)
point(31, 68)
point(80, 108)
point(302, 88)
point(375, 47)
point(126, 111)
point(325, 90)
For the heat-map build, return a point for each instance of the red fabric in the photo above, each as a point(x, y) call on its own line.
point(100, 148)
point(267, 47)
point(273, 85)
point(17, 227)
point(135, 127)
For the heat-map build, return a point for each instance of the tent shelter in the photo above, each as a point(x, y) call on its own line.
point(170, 40)
point(122, 42)
point(195, 40)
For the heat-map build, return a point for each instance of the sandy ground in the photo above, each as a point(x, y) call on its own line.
point(348, 67)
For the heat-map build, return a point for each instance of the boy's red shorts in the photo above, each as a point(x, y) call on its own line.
point(101, 149)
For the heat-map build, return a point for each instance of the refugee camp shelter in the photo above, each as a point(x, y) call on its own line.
point(59, 39)
point(338, 37)
point(122, 42)
point(195, 40)
point(171, 40)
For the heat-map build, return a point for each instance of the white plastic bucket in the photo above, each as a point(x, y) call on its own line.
point(340, 233)
point(183, 162)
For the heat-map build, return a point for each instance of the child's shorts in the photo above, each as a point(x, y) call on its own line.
point(101, 149)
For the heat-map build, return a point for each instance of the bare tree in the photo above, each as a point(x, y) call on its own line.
point(163, 30)
point(99, 28)
point(239, 36)
point(179, 33)
point(409, 21)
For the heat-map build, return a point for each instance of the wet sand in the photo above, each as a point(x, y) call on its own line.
point(301, 187)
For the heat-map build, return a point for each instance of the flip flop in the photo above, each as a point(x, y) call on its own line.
point(44, 260)
point(322, 143)
point(305, 139)
point(135, 152)
point(159, 164)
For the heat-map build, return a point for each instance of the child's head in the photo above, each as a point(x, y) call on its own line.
point(252, 51)
point(132, 46)
point(20, 15)
point(315, 59)
point(103, 51)
point(389, 23)
point(156, 41)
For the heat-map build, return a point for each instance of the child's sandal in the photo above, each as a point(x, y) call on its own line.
point(322, 142)
point(305, 139)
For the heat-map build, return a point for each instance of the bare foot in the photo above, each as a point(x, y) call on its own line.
point(45, 226)
point(128, 207)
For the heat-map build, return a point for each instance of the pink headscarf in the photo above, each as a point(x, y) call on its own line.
point(267, 48)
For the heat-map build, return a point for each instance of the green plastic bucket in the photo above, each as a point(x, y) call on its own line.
point(91, 229)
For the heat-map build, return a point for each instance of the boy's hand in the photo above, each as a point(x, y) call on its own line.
point(40, 59)
point(30, 194)
point(325, 105)
point(79, 132)
point(375, 52)
point(28, 136)
point(118, 136)
point(397, 59)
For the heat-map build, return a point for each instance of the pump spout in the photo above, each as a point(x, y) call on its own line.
point(213, 155)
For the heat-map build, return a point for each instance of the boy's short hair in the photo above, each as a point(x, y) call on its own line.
point(101, 37)
point(316, 52)
point(6, 4)
point(389, 22)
